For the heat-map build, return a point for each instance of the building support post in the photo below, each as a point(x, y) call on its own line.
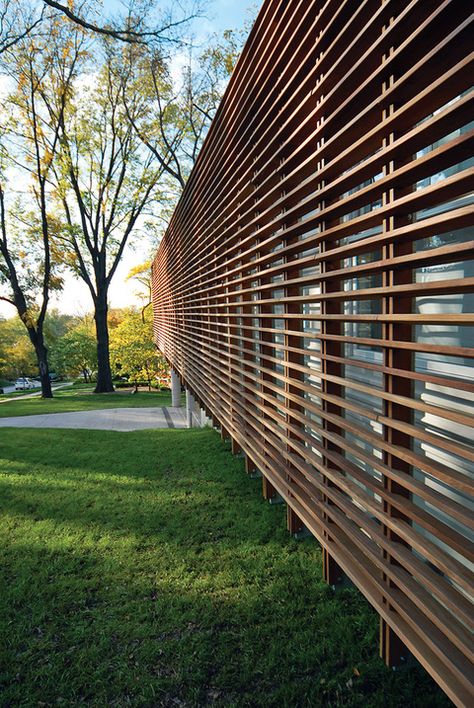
point(190, 406)
point(175, 390)
point(205, 422)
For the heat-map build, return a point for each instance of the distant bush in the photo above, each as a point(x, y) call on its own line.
point(142, 384)
point(122, 384)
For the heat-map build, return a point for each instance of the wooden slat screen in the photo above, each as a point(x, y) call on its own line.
point(315, 291)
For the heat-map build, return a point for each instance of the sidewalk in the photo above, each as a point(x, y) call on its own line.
point(35, 394)
point(119, 419)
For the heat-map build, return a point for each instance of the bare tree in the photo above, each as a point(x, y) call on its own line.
point(172, 116)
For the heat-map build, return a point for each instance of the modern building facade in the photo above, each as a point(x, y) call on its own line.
point(315, 293)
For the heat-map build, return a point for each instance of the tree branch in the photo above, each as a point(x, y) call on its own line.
point(9, 43)
point(129, 35)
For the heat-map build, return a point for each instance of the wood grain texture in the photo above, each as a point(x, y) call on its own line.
point(314, 291)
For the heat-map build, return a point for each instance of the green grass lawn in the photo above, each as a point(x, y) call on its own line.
point(17, 394)
point(83, 399)
point(144, 569)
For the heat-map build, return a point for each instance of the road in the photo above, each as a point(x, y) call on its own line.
point(11, 389)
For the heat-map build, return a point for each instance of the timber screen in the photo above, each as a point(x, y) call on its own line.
point(314, 290)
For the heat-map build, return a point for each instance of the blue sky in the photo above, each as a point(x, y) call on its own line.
point(221, 14)
point(230, 14)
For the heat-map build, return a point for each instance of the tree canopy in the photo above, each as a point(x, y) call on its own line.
point(97, 140)
point(145, 22)
point(133, 352)
point(42, 71)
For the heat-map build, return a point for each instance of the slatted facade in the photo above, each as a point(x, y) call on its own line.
point(315, 291)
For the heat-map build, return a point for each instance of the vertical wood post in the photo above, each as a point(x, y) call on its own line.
point(392, 649)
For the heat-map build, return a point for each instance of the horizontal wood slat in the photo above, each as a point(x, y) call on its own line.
point(315, 292)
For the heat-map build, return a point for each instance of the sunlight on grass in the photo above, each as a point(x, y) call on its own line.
point(145, 569)
point(68, 400)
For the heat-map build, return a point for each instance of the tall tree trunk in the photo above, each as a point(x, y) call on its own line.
point(104, 374)
point(41, 351)
point(42, 356)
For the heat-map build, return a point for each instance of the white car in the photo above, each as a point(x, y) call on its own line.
point(22, 384)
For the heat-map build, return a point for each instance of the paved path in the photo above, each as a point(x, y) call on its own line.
point(11, 389)
point(120, 419)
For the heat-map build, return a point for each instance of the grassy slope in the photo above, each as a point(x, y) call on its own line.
point(71, 399)
point(144, 569)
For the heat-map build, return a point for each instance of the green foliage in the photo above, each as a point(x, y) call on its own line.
point(103, 158)
point(72, 347)
point(41, 72)
point(106, 179)
point(141, 275)
point(133, 353)
point(171, 114)
point(17, 356)
point(144, 569)
point(222, 53)
point(56, 325)
point(76, 352)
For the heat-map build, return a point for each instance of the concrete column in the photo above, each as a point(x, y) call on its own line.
point(204, 419)
point(175, 390)
point(190, 405)
point(197, 413)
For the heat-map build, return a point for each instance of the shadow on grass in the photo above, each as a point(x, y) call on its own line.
point(144, 569)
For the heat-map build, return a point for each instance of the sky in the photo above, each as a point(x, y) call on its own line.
point(228, 14)
point(220, 14)
point(75, 297)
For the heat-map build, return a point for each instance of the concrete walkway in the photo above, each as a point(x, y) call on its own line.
point(120, 419)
